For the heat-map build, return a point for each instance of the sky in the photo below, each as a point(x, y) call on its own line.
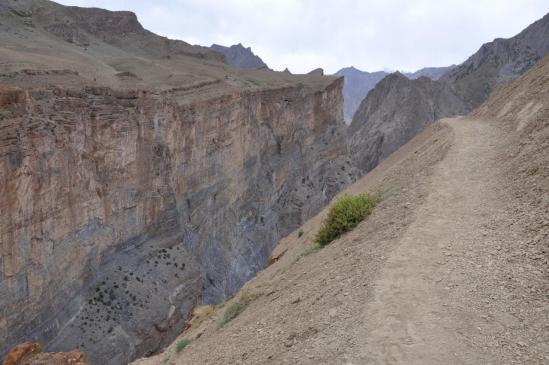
point(370, 35)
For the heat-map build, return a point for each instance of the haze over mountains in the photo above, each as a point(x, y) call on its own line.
point(143, 177)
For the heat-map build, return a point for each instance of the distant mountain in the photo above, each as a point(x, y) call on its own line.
point(434, 73)
point(357, 85)
point(398, 108)
point(317, 72)
point(394, 112)
point(240, 56)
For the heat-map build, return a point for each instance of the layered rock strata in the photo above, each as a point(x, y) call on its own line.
point(121, 210)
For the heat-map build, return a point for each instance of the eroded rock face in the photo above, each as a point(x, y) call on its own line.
point(122, 210)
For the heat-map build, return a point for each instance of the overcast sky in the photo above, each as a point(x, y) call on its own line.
point(306, 34)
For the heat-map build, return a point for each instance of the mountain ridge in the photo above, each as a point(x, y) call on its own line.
point(462, 88)
point(239, 56)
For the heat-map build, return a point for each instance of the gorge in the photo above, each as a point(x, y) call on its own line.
point(142, 177)
point(133, 193)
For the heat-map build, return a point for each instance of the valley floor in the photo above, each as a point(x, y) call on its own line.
point(445, 271)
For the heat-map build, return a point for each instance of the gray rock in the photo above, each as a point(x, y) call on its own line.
point(240, 56)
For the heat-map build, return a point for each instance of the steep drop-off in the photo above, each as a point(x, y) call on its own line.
point(136, 185)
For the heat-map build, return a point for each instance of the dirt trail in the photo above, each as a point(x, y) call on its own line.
point(431, 303)
point(439, 274)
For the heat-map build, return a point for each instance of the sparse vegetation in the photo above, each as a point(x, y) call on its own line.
point(309, 250)
point(181, 345)
point(300, 233)
point(344, 215)
point(237, 307)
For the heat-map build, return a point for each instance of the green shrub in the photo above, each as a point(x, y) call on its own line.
point(181, 345)
point(344, 215)
point(236, 308)
point(300, 233)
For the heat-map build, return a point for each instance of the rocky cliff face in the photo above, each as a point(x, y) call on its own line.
point(135, 184)
point(239, 56)
point(393, 113)
point(122, 210)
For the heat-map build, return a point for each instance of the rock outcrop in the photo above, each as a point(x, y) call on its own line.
point(239, 56)
point(21, 353)
point(137, 182)
point(31, 354)
point(317, 72)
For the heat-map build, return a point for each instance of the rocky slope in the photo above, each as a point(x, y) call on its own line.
point(239, 56)
point(380, 126)
point(450, 268)
point(141, 176)
point(522, 107)
point(357, 85)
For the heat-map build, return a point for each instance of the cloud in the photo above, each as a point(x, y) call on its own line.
point(305, 34)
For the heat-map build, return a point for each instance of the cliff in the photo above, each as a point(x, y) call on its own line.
point(135, 185)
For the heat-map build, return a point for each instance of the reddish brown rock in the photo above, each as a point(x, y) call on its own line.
point(21, 354)
point(74, 357)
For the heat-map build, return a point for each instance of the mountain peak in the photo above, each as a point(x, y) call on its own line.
point(240, 56)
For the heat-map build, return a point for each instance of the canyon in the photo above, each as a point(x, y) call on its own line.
point(450, 268)
point(138, 182)
point(143, 179)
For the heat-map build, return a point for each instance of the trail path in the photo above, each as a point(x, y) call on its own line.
point(440, 273)
point(440, 297)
